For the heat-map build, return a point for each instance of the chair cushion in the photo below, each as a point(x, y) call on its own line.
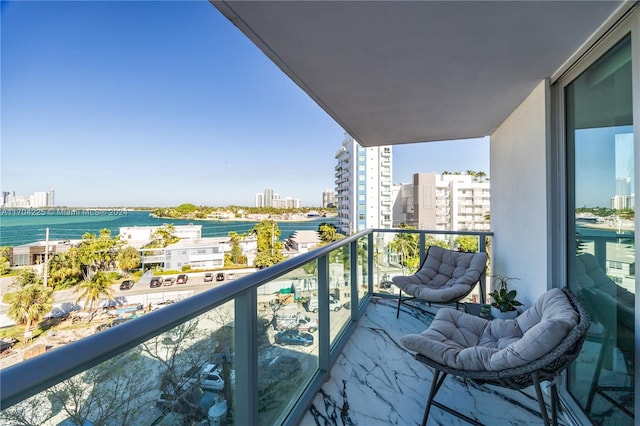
point(446, 275)
point(459, 340)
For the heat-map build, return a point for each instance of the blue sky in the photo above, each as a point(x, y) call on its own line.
point(160, 103)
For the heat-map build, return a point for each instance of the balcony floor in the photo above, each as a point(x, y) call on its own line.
point(375, 381)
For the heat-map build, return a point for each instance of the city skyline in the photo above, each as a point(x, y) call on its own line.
point(163, 103)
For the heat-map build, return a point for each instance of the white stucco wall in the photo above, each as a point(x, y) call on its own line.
point(518, 196)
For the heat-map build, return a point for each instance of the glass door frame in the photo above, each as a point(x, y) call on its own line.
point(613, 31)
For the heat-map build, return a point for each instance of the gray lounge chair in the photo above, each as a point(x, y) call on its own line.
point(613, 307)
point(535, 347)
point(445, 276)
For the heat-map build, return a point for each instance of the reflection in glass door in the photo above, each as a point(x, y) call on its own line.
point(601, 246)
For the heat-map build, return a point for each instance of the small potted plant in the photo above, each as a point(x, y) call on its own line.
point(504, 304)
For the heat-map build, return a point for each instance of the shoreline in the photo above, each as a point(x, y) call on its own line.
point(607, 227)
point(244, 219)
point(18, 230)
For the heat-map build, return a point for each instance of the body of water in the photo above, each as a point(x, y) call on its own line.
point(22, 226)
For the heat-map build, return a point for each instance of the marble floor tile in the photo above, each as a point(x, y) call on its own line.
point(376, 381)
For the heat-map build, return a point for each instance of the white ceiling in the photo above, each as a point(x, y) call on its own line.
point(393, 72)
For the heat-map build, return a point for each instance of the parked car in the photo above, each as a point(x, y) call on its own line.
point(155, 282)
point(168, 281)
point(219, 276)
point(182, 279)
point(295, 321)
point(7, 343)
point(293, 337)
point(312, 306)
point(211, 377)
point(231, 276)
point(126, 284)
point(208, 277)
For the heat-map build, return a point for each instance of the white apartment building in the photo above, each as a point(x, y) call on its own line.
point(328, 198)
point(137, 236)
point(259, 199)
point(272, 199)
point(39, 199)
point(268, 197)
point(363, 187)
point(402, 204)
point(35, 200)
point(198, 253)
point(286, 203)
point(446, 202)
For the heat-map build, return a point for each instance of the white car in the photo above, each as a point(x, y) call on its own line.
point(313, 305)
point(211, 377)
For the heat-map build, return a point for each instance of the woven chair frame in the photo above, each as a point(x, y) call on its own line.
point(546, 368)
point(455, 300)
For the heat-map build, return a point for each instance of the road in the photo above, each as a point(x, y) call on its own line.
point(65, 300)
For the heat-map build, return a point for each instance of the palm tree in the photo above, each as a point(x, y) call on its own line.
point(64, 269)
point(128, 258)
point(30, 304)
point(95, 289)
point(407, 246)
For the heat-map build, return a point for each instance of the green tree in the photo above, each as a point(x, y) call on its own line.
point(98, 253)
point(235, 257)
point(163, 236)
point(5, 255)
point(94, 289)
point(269, 246)
point(27, 276)
point(467, 243)
point(628, 214)
point(30, 304)
point(128, 258)
point(329, 233)
point(64, 269)
point(186, 208)
point(407, 245)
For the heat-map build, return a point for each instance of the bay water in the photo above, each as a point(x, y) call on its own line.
point(22, 226)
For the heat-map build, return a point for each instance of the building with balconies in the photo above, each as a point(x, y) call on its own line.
point(363, 186)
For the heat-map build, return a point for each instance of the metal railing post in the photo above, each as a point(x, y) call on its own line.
point(246, 358)
point(324, 344)
point(482, 247)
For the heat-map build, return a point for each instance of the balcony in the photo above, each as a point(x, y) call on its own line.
point(152, 368)
point(376, 382)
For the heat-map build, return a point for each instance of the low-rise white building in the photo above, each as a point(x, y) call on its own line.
point(301, 242)
point(198, 253)
point(138, 236)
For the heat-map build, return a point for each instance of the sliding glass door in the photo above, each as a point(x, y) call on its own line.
point(601, 233)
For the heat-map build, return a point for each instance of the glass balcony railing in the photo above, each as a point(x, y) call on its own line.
point(255, 350)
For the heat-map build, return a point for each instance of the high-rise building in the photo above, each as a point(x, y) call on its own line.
point(286, 203)
point(402, 204)
point(363, 186)
point(268, 197)
point(328, 198)
point(445, 202)
point(38, 199)
point(51, 197)
point(259, 199)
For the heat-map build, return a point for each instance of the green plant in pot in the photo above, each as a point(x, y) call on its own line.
point(504, 303)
